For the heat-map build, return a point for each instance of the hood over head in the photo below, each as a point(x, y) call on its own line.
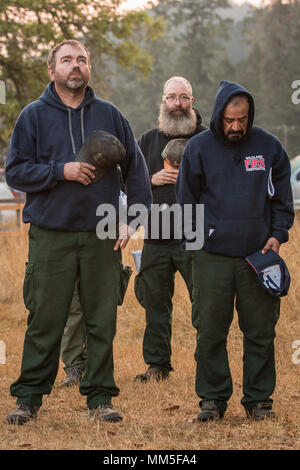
point(226, 91)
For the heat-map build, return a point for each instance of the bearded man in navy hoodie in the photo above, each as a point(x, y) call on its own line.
point(241, 174)
point(61, 206)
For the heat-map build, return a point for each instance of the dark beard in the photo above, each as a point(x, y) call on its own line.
point(236, 140)
point(177, 124)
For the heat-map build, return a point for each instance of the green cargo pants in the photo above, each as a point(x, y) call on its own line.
point(154, 288)
point(73, 344)
point(218, 282)
point(55, 261)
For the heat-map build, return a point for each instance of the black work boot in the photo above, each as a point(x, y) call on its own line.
point(22, 414)
point(73, 377)
point(209, 411)
point(153, 373)
point(105, 413)
point(261, 411)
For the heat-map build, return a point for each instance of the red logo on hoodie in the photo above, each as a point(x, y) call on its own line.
point(255, 163)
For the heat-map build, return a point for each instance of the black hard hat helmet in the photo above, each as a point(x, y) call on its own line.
point(102, 150)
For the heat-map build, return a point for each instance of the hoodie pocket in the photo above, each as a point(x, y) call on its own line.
point(236, 237)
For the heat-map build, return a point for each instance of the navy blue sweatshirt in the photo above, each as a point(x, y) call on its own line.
point(245, 187)
point(49, 134)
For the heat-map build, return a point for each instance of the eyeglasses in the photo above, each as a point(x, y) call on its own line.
point(181, 98)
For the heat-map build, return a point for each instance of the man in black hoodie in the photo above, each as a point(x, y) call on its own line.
point(162, 257)
point(65, 243)
point(241, 174)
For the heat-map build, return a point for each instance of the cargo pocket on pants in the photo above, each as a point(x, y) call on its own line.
point(28, 288)
point(139, 289)
point(195, 308)
point(195, 317)
point(126, 272)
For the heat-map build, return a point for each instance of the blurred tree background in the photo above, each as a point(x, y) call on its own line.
point(29, 28)
point(134, 53)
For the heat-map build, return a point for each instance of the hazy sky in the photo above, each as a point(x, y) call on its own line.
point(253, 2)
point(139, 3)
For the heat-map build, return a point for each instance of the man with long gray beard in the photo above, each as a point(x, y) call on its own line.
point(162, 257)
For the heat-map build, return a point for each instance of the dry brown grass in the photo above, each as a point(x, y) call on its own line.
point(156, 416)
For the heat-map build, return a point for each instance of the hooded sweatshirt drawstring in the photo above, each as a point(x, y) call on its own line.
point(70, 128)
point(82, 124)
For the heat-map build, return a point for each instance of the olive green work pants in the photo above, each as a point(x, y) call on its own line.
point(73, 344)
point(219, 281)
point(56, 259)
point(154, 288)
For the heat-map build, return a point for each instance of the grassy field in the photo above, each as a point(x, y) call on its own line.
point(158, 416)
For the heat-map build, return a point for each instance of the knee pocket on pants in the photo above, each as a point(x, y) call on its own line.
point(28, 287)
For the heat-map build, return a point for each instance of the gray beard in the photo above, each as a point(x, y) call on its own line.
point(74, 84)
point(183, 124)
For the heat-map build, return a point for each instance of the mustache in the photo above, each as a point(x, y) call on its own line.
point(75, 71)
point(235, 132)
point(173, 111)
